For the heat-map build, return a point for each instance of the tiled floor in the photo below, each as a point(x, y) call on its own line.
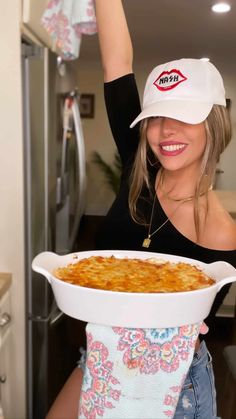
point(222, 331)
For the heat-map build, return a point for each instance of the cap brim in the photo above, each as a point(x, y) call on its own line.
point(188, 112)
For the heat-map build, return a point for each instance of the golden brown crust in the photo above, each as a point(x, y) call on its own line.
point(133, 275)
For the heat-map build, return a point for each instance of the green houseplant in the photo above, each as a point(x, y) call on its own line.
point(112, 172)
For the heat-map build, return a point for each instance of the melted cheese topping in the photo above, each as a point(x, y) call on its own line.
point(133, 275)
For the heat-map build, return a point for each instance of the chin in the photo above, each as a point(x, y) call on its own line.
point(173, 167)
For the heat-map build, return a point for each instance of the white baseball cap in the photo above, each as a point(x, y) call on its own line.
point(184, 89)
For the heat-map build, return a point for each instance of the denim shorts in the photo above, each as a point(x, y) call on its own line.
point(197, 398)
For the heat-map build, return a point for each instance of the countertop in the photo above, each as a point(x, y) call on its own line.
point(228, 200)
point(5, 282)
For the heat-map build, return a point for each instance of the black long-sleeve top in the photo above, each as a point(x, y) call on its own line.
point(119, 231)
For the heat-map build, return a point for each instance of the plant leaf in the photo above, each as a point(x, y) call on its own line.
point(112, 174)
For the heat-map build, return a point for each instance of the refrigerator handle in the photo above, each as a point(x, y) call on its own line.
point(55, 315)
point(80, 148)
point(62, 180)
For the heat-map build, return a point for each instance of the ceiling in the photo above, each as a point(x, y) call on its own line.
point(163, 30)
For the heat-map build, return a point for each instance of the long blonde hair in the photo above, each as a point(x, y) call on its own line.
point(218, 135)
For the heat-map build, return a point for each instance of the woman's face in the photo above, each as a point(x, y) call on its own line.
point(176, 144)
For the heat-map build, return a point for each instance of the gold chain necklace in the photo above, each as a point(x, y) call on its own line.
point(147, 240)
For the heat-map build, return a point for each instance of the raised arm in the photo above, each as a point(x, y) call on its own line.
point(114, 39)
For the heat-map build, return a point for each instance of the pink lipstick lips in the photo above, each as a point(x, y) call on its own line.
point(171, 148)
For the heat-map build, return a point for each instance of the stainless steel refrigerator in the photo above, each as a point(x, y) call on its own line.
point(54, 169)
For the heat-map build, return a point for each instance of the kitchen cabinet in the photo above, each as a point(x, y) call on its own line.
point(32, 12)
point(5, 346)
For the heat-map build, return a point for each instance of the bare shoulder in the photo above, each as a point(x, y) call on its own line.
point(222, 227)
point(227, 233)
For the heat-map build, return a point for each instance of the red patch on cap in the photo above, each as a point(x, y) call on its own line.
point(169, 80)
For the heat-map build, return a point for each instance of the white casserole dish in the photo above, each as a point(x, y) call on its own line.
point(133, 309)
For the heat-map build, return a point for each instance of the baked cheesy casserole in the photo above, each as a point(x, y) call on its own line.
point(133, 275)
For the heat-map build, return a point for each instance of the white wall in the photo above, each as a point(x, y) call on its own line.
point(98, 136)
point(11, 193)
point(227, 180)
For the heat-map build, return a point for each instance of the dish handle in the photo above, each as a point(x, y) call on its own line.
point(225, 281)
point(44, 263)
point(223, 272)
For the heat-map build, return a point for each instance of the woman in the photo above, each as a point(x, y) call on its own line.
point(166, 203)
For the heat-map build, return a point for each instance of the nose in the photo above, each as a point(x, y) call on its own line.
point(168, 126)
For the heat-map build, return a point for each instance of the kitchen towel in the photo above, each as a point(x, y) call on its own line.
point(66, 21)
point(135, 373)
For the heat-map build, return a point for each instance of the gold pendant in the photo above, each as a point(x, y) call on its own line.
point(146, 242)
